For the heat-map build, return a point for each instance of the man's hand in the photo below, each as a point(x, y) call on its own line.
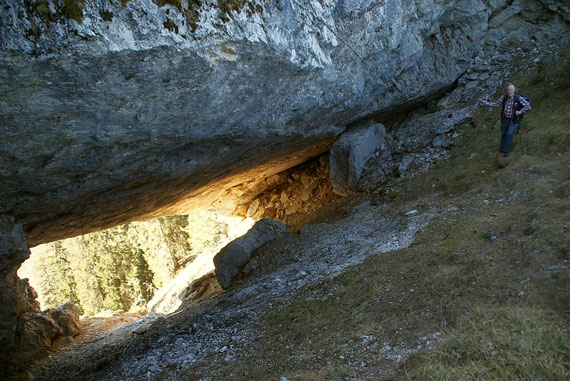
point(518, 112)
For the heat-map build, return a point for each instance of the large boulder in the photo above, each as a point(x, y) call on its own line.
point(349, 155)
point(237, 253)
point(113, 113)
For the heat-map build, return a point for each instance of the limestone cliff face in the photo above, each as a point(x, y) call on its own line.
point(112, 113)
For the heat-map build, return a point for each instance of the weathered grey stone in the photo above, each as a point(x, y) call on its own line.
point(16, 299)
point(407, 160)
point(236, 254)
point(13, 249)
point(471, 84)
point(494, 35)
point(462, 11)
point(504, 15)
point(441, 141)
point(350, 152)
point(499, 59)
point(105, 122)
point(419, 130)
point(496, 4)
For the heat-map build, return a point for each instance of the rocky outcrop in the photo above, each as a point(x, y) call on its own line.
point(236, 254)
point(350, 152)
point(412, 146)
point(38, 331)
point(25, 331)
point(113, 113)
point(17, 298)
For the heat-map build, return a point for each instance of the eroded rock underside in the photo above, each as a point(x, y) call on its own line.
point(110, 121)
point(121, 111)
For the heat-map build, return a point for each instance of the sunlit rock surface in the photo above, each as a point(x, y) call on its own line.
point(141, 111)
point(124, 267)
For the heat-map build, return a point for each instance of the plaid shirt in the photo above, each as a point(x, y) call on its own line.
point(509, 105)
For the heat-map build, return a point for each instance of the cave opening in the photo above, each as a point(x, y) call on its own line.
point(124, 268)
point(146, 266)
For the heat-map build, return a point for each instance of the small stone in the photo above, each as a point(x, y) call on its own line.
point(441, 141)
point(499, 59)
point(492, 236)
point(412, 212)
point(154, 368)
point(471, 85)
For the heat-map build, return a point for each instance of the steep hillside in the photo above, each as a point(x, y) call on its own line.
point(488, 280)
point(478, 288)
point(122, 111)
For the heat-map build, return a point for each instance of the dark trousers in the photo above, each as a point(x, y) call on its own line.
point(508, 129)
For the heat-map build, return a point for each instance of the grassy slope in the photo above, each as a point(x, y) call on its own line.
point(490, 274)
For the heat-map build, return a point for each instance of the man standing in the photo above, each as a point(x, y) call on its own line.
point(513, 105)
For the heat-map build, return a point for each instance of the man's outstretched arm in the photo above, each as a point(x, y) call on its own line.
point(496, 103)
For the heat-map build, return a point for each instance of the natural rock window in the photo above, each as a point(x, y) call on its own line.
point(146, 266)
point(122, 268)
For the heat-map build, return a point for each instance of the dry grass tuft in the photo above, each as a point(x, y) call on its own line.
point(504, 343)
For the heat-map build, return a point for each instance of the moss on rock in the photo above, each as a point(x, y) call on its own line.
point(106, 16)
point(170, 25)
point(175, 3)
point(191, 13)
point(74, 9)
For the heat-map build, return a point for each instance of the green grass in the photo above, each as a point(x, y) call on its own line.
point(74, 9)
